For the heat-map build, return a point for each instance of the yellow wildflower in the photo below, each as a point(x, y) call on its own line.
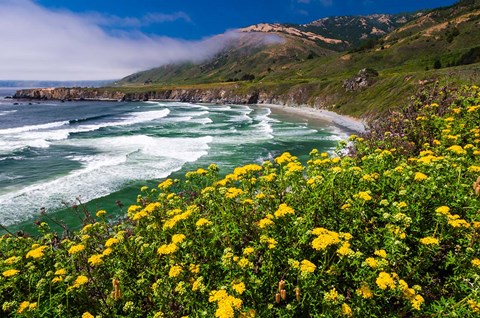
point(243, 263)
point(384, 280)
point(86, 228)
point(111, 241)
point(364, 196)
point(370, 261)
point(474, 169)
point(233, 193)
point(101, 213)
point(420, 176)
point(345, 250)
point(265, 222)
point(175, 270)
point(476, 262)
point(79, 282)
point(332, 296)
point(457, 149)
point(87, 315)
point(57, 279)
point(417, 301)
point(346, 310)
point(364, 291)
point(178, 238)
point(76, 249)
point(10, 273)
point(167, 249)
point(238, 287)
point(24, 305)
point(248, 250)
point(459, 223)
point(271, 242)
point(285, 158)
point(202, 222)
point(283, 210)
point(36, 252)
point(324, 238)
point(107, 251)
point(381, 253)
point(165, 184)
point(307, 267)
point(95, 260)
point(12, 260)
point(443, 210)
point(474, 306)
point(194, 269)
point(61, 272)
point(429, 241)
point(198, 284)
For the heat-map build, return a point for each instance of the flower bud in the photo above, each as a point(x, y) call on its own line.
point(297, 293)
point(283, 294)
point(277, 298)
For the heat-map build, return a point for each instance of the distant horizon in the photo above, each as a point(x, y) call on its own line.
point(51, 83)
point(53, 40)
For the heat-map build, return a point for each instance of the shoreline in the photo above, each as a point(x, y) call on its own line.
point(344, 121)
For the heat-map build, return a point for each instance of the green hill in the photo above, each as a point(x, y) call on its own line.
point(307, 67)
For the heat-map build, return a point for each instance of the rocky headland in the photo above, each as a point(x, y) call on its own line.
point(294, 96)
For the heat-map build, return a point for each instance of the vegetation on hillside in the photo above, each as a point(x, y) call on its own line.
point(387, 227)
point(440, 45)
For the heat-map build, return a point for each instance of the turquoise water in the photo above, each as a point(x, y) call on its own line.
point(52, 153)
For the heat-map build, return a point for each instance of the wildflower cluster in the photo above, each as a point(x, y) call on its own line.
point(390, 229)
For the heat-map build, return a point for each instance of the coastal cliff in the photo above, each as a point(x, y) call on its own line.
point(294, 96)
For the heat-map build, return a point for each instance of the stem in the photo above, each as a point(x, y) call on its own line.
point(7, 230)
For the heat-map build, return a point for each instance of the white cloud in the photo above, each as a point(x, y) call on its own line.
point(42, 44)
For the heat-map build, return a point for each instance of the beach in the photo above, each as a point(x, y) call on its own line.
point(343, 121)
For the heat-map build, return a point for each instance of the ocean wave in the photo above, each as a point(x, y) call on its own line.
point(120, 160)
point(41, 136)
point(7, 112)
point(18, 130)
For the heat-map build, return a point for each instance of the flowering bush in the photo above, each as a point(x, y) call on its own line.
point(392, 230)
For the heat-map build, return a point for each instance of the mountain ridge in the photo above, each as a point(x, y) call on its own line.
point(439, 45)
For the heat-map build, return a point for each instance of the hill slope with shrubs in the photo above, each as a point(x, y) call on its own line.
point(387, 227)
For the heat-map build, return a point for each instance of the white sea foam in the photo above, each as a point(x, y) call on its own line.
point(120, 160)
point(7, 112)
point(202, 121)
point(41, 136)
point(17, 130)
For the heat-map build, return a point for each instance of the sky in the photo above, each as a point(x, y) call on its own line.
point(106, 39)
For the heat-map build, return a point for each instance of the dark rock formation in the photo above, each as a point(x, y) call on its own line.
point(233, 94)
point(365, 78)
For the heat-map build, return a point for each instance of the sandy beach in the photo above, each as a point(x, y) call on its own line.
point(348, 122)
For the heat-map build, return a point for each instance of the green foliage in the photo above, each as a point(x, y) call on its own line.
point(389, 229)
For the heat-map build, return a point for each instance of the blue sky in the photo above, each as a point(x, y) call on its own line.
point(194, 19)
point(106, 39)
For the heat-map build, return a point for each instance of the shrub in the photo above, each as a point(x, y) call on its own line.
point(391, 230)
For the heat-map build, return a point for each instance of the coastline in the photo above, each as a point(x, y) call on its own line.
point(344, 121)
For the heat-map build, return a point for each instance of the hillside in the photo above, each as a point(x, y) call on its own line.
point(249, 55)
point(291, 65)
point(439, 45)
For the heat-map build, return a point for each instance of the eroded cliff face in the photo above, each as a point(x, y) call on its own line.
point(65, 93)
point(294, 96)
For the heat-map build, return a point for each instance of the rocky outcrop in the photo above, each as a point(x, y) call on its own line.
point(234, 94)
point(365, 78)
point(65, 93)
point(215, 95)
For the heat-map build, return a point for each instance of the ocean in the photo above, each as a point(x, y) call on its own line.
point(54, 155)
